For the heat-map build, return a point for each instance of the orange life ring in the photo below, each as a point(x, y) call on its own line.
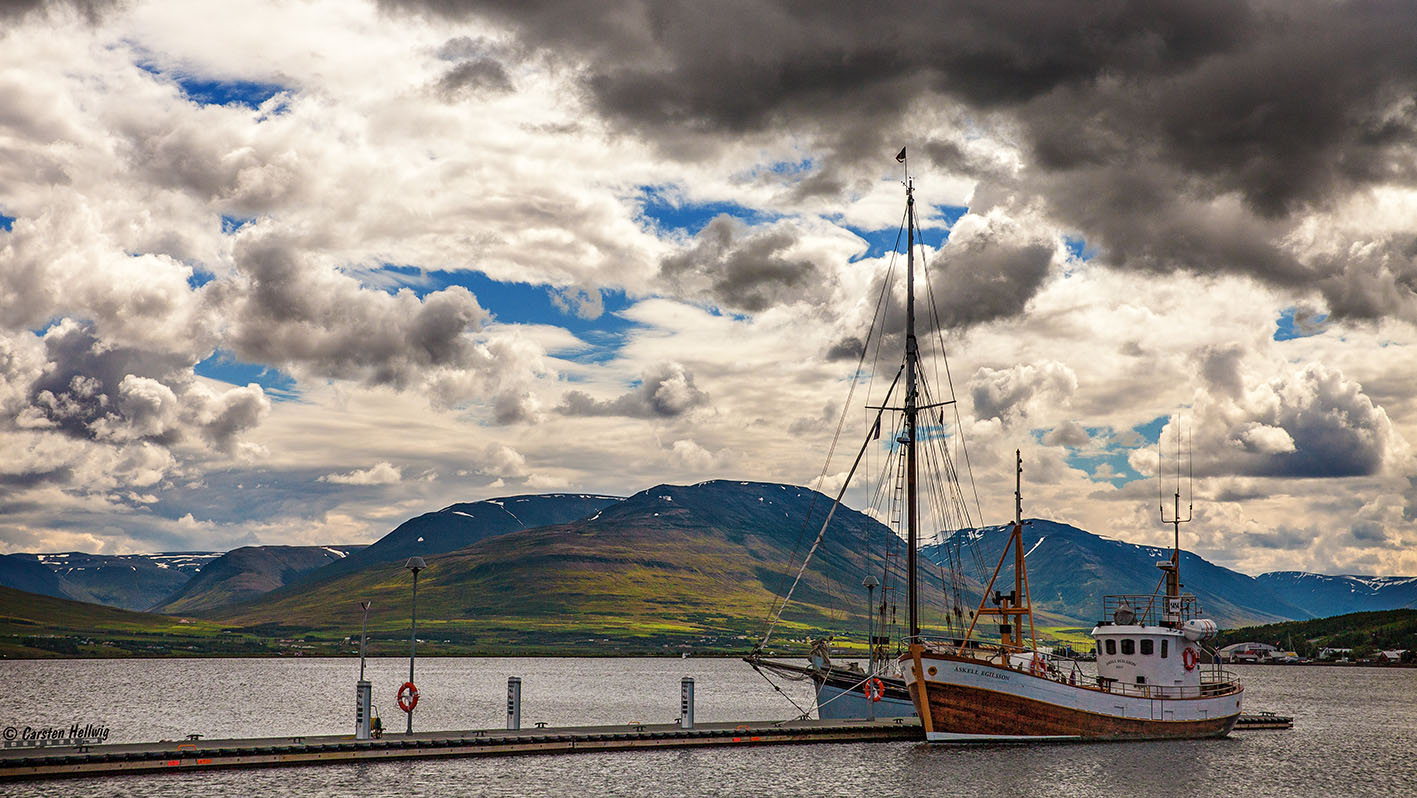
point(1189, 657)
point(874, 689)
point(408, 697)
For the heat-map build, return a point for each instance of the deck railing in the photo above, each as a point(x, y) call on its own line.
point(1149, 610)
point(1214, 680)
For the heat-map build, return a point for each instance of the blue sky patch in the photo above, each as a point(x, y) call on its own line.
point(226, 92)
point(1294, 323)
point(208, 91)
point(199, 278)
point(525, 303)
point(223, 366)
point(7, 222)
point(1079, 248)
point(668, 212)
point(230, 224)
point(879, 242)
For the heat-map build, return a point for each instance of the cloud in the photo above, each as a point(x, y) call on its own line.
point(378, 474)
point(1069, 433)
point(304, 316)
point(738, 267)
point(1178, 135)
point(1313, 422)
point(1011, 394)
point(666, 391)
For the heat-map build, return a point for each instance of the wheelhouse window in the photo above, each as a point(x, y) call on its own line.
point(1129, 646)
point(1163, 648)
point(1146, 648)
point(1111, 646)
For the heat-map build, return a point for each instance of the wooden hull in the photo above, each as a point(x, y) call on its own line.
point(981, 702)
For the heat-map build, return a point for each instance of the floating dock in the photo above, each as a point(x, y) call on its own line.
point(197, 754)
point(1263, 720)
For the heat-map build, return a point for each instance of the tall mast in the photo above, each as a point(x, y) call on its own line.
point(1172, 569)
point(912, 538)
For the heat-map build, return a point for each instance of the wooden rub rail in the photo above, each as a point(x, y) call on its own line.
point(169, 757)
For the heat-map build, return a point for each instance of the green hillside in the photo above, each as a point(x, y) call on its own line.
point(674, 567)
point(34, 626)
point(1366, 632)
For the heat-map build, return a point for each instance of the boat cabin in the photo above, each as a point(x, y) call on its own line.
point(1151, 642)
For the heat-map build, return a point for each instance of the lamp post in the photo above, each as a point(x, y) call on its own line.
point(870, 583)
point(414, 564)
point(363, 635)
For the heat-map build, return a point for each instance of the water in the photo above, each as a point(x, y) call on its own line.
point(1355, 733)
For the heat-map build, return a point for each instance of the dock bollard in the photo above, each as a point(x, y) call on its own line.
point(686, 703)
point(362, 702)
point(514, 703)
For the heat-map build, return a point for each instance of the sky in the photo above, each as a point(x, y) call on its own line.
point(293, 272)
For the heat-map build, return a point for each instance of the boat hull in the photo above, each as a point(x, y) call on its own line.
point(972, 701)
point(841, 698)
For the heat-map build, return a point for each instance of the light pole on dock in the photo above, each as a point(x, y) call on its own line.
point(414, 564)
point(870, 583)
point(363, 636)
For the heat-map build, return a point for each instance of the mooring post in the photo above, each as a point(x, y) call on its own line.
point(514, 703)
point(686, 703)
point(362, 702)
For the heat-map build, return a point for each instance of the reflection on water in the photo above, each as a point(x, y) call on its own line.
point(1355, 732)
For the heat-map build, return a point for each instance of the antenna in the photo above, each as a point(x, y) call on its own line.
point(1173, 568)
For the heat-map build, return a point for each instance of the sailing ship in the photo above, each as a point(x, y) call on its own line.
point(917, 434)
point(1149, 682)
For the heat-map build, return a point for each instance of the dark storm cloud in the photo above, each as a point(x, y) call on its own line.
point(98, 391)
point(81, 388)
point(92, 10)
point(665, 392)
point(292, 312)
point(1315, 423)
point(475, 75)
point(737, 267)
point(1172, 135)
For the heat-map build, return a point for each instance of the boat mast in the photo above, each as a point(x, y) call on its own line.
point(1172, 569)
point(912, 354)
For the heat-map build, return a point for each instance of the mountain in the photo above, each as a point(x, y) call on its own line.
point(25, 572)
point(1325, 595)
point(699, 565)
point(248, 572)
point(465, 523)
point(1070, 570)
point(128, 581)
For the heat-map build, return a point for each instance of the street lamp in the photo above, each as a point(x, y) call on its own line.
point(414, 564)
point(870, 583)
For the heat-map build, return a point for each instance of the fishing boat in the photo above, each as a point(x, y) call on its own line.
point(1149, 681)
point(1149, 684)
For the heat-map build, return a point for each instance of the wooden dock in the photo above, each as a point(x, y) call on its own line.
point(197, 754)
point(189, 755)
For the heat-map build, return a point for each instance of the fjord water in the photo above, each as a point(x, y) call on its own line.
point(1355, 732)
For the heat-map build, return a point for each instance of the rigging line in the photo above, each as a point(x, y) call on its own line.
point(945, 359)
point(841, 422)
point(885, 286)
point(805, 712)
point(822, 533)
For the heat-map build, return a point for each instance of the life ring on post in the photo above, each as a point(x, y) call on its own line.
point(1037, 666)
point(874, 689)
point(408, 697)
point(1189, 658)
